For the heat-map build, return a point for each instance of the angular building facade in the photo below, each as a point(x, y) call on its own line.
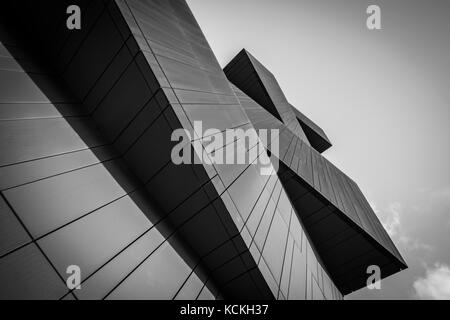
point(87, 178)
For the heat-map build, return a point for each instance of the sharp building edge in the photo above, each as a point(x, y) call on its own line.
point(87, 180)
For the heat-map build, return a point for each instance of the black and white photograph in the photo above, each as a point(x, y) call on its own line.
point(253, 151)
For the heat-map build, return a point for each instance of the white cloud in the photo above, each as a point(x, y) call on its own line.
point(435, 285)
point(414, 244)
point(394, 227)
point(392, 221)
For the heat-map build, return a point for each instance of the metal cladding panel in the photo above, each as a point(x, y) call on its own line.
point(344, 229)
point(74, 109)
point(136, 71)
point(176, 46)
point(249, 75)
point(316, 136)
point(88, 142)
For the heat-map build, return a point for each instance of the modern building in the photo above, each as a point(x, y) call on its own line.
point(87, 179)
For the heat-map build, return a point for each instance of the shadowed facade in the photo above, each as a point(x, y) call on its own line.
point(86, 176)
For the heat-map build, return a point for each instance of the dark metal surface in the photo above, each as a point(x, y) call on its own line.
point(86, 177)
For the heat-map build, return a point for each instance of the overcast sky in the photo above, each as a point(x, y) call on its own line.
point(382, 97)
